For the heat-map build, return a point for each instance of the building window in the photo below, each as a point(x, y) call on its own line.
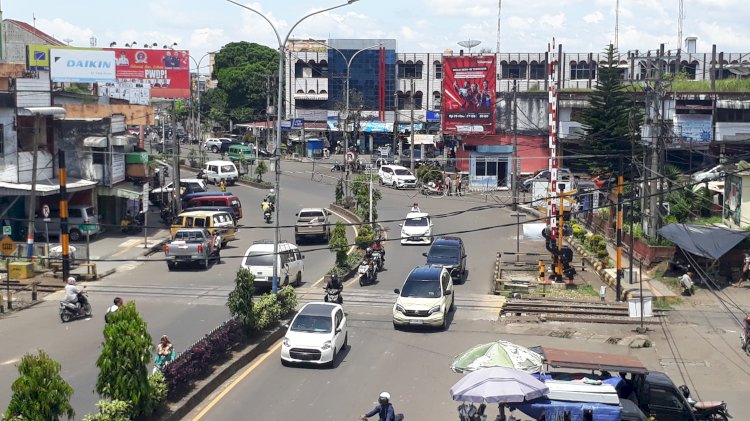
point(582, 70)
point(689, 68)
point(438, 70)
point(436, 100)
point(513, 70)
point(538, 70)
point(729, 115)
point(418, 100)
point(409, 70)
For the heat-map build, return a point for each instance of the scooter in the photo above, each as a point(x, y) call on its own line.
point(377, 256)
point(69, 311)
point(433, 189)
point(166, 215)
point(130, 225)
point(367, 273)
point(333, 295)
point(337, 166)
point(745, 342)
point(267, 216)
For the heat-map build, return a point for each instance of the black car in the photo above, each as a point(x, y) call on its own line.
point(450, 253)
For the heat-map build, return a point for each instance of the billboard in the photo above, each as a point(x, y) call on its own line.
point(469, 95)
point(164, 73)
point(87, 66)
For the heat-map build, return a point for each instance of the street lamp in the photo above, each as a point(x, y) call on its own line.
point(348, 76)
point(198, 96)
point(276, 156)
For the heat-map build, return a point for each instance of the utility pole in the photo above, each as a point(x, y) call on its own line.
point(396, 142)
point(514, 181)
point(268, 112)
point(411, 149)
point(32, 196)
point(618, 289)
point(176, 178)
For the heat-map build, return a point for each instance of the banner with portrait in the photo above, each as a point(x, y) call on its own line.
point(469, 94)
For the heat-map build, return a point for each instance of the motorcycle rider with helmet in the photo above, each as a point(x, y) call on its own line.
point(384, 409)
point(73, 293)
point(378, 246)
point(266, 206)
point(271, 198)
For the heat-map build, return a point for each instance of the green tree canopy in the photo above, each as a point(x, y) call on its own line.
point(339, 244)
point(361, 192)
point(126, 351)
point(40, 393)
point(612, 123)
point(240, 300)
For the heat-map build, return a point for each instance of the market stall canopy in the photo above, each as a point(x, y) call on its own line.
point(704, 241)
point(498, 354)
point(498, 385)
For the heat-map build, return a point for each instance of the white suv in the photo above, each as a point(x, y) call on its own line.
point(397, 176)
point(425, 299)
point(259, 260)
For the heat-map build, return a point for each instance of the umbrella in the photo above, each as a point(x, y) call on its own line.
point(498, 354)
point(498, 385)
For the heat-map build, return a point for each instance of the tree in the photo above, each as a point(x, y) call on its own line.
point(339, 192)
point(339, 244)
point(40, 393)
point(240, 301)
point(261, 169)
point(612, 122)
point(361, 193)
point(126, 351)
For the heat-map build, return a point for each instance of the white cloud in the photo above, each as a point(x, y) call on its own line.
point(462, 8)
point(62, 30)
point(595, 17)
point(554, 21)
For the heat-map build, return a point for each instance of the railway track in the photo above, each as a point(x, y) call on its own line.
point(573, 311)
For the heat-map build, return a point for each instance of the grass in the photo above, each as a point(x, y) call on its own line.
point(708, 221)
point(583, 291)
point(724, 85)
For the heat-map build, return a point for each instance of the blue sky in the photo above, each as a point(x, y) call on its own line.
point(417, 25)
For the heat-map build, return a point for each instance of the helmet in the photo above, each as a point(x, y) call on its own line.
point(71, 281)
point(270, 191)
point(384, 398)
point(369, 250)
point(747, 319)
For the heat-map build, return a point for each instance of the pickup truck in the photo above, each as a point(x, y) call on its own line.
point(312, 222)
point(192, 245)
point(652, 391)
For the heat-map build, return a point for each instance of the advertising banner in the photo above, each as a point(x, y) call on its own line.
point(159, 73)
point(85, 66)
point(469, 95)
point(693, 128)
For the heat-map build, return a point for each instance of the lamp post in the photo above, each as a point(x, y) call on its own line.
point(280, 98)
point(198, 94)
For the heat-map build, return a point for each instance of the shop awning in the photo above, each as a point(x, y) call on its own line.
point(57, 112)
point(95, 142)
point(124, 190)
point(314, 97)
point(703, 241)
point(44, 187)
point(123, 140)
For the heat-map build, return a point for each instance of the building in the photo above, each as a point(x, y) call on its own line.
point(16, 35)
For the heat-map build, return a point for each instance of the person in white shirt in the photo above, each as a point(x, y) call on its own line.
point(73, 292)
point(111, 309)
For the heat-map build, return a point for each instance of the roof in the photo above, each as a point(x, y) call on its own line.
point(704, 241)
point(36, 32)
point(425, 273)
point(564, 358)
point(317, 309)
point(447, 239)
point(417, 215)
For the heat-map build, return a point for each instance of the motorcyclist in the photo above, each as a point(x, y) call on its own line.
point(271, 198)
point(378, 246)
point(266, 206)
point(73, 294)
point(746, 331)
point(384, 409)
point(415, 208)
point(334, 283)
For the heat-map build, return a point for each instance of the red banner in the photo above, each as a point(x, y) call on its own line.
point(469, 94)
point(166, 71)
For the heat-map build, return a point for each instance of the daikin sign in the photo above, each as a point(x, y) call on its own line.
point(85, 66)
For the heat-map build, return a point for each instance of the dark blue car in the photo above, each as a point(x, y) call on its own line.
point(448, 252)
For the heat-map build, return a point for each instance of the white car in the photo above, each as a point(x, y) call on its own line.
point(397, 177)
point(259, 260)
point(708, 175)
point(416, 228)
point(213, 144)
point(215, 171)
point(425, 299)
point(316, 335)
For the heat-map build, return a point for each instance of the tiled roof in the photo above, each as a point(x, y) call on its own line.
point(28, 28)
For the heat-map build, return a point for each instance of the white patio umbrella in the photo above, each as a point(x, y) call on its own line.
point(498, 385)
point(498, 354)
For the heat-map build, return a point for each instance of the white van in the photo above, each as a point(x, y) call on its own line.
point(259, 260)
point(215, 171)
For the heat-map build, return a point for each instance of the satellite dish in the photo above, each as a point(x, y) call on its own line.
point(469, 44)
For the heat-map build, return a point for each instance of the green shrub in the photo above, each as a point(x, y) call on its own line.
point(266, 311)
point(579, 233)
point(111, 411)
point(240, 300)
point(338, 243)
point(158, 386)
point(365, 236)
point(287, 297)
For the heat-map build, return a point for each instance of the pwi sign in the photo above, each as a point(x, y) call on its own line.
point(74, 65)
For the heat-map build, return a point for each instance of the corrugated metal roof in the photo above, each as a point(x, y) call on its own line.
point(564, 358)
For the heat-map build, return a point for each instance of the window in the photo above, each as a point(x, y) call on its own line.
point(438, 70)
point(513, 70)
point(538, 70)
point(445, 281)
point(75, 213)
point(582, 70)
point(339, 317)
point(664, 398)
point(409, 70)
point(689, 68)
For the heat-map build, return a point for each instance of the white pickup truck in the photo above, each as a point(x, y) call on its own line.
point(192, 245)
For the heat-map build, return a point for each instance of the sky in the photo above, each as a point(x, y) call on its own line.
point(433, 26)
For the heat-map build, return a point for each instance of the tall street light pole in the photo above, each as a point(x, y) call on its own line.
point(198, 93)
point(276, 155)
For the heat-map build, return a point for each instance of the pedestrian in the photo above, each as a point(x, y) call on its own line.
point(745, 275)
point(686, 282)
point(114, 307)
point(164, 353)
point(223, 186)
point(458, 185)
point(448, 185)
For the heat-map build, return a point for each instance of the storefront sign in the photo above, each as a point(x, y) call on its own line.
point(118, 167)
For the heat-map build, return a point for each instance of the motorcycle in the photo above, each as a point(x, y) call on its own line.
point(708, 411)
point(333, 295)
point(745, 342)
point(433, 189)
point(69, 310)
point(267, 216)
point(377, 256)
point(338, 166)
point(166, 215)
point(367, 273)
point(132, 225)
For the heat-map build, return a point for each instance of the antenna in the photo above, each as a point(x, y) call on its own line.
point(469, 44)
point(680, 20)
point(499, 9)
point(617, 22)
point(68, 40)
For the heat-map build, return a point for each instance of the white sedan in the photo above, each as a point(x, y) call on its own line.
point(416, 228)
point(316, 335)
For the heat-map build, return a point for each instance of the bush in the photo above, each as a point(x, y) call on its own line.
point(267, 310)
point(158, 386)
point(338, 243)
point(111, 411)
point(287, 297)
point(261, 169)
point(352, 260)
point(39, 392)
point(339, 192)
point(240, 300)
point(579, 233)
point(365, 236)
point(195, 361)
point(427, 173)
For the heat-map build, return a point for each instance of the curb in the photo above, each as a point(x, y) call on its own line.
point(219, 376)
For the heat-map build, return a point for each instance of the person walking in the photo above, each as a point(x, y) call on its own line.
point(164, 353)
point(448, 185)
point(223, 185)
point(458, 185)
point(745, 275)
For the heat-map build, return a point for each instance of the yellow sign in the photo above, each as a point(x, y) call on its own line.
point(37, 56)
point(8, 246)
